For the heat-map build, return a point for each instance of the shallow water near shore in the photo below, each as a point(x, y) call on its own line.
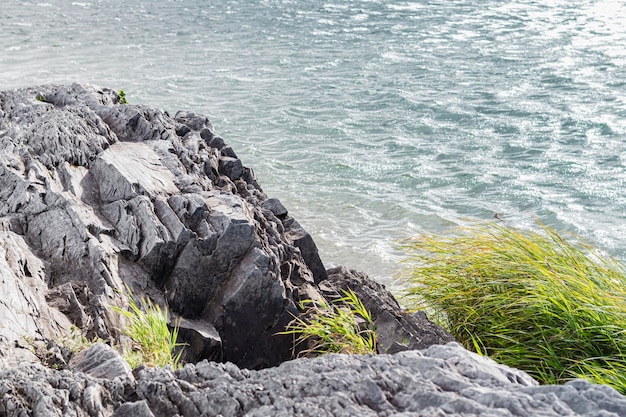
point(371, 120)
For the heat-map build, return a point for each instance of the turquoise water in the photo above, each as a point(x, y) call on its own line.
point(372, 120)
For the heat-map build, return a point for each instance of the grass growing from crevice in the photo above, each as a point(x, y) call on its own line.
point(121, 97)
point(154, 342)
point(345, 326)
point(533, 301)
point(77, 341)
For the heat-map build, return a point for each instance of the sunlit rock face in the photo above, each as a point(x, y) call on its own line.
point(96, 195)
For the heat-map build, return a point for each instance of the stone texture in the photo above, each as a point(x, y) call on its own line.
point(133, 409)
point(443, 380)
point(300, 238)
point(23, 307)
point(101, 361)
point(96, 195)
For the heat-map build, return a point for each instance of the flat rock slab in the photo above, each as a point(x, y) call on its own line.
point(128, 169)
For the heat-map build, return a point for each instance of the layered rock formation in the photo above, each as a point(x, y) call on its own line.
point(96, 195)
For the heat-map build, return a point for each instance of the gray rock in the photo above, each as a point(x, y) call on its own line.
point(95, 195)
point(193, 121)
point(63, 298)
point(443, 380)
point(99, 195)
point(275, 206)
point(25, 316)
point(301, 239)
point(134, 409)
point(202, 340)
point(214, 141)
point(231, 167)
point(34, 390)
point(101, 361)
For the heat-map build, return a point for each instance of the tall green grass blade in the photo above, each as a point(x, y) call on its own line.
point(530, 300)
point(148, 327)
point(345, 326)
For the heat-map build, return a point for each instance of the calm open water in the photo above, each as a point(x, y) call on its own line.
point(371, 119)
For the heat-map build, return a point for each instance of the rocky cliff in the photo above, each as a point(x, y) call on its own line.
point(96, 195)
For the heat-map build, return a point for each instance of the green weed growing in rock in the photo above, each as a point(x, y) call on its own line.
point(121, 97)
point(345, 326)
point(56, 353)
point(77, 341)
point(529, 300)
point(148, 328)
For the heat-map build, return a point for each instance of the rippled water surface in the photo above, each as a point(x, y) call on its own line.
point(371, 119)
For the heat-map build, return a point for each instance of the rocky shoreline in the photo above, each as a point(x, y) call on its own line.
point(96, 195)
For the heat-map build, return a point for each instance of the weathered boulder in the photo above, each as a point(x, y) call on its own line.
point(443, 380)
point(101, 361)
point(96, 195)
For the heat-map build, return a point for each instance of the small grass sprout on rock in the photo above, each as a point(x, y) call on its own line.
point(344, 326)
point(530, 300)
point(121, 97)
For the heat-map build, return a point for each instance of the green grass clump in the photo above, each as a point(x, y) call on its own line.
point(148, 327)
point(121, 97)
point(345, 326)
point(533, 301)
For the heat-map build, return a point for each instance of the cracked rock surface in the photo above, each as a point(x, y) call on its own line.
point(443, 380)
point(96, 195)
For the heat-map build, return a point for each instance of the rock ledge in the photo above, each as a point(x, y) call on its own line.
point(443, 380)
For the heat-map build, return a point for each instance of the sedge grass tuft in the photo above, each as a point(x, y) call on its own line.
point(530, 300)
point(154, 342)
point(345, 326)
